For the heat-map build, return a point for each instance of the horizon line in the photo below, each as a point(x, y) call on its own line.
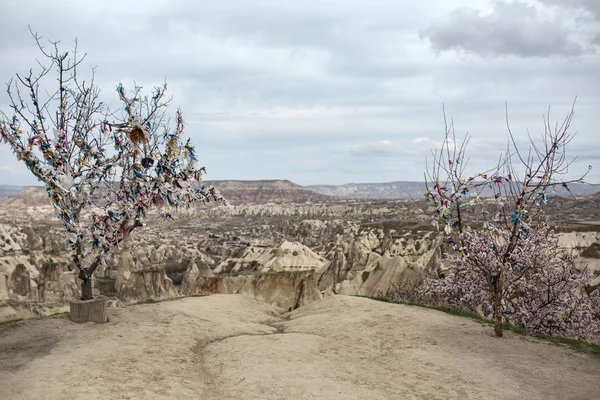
point(288, 180)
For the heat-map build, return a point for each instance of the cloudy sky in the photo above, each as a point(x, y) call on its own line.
point(333, 91)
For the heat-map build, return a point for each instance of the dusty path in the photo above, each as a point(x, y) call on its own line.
point(233, 347)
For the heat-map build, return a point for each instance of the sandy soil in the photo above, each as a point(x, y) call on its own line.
point(233, 347)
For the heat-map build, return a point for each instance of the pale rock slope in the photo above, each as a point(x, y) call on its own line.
point(590, 258)
point(288, 256)
point(234, 347)
point(372, 262)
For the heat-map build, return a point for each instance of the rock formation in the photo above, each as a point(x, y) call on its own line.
point(265, 249)
point(288, 256)
point(590, 258)
point(288, 290)
point(376, 259)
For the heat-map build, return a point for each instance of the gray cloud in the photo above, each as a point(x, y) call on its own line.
point(584, 12)
point(590, 6)
point(309, 90)
point(510, 28)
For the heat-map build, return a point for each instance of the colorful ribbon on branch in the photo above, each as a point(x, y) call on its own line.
point(79, 172)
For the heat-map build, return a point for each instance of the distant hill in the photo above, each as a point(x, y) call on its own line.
point(237, 192)
point(27, 196)
point(283, 191)
point(403, 190)
point(389, 190)
point(9, 190)
point(267, 191)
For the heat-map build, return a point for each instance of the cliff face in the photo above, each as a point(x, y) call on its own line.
point(288, 256)
point(266, 191)
point(141, 270)
point(374, 260)
point(288, 290)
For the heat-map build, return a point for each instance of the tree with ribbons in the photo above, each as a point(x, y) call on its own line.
point(103, 169)
point(508, 264)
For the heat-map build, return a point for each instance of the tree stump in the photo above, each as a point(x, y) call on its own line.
point(89, 310)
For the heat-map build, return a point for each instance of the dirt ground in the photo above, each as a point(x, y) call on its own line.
point(234, 347)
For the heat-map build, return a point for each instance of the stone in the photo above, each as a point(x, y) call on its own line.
point(20, 281)
point(94, 310)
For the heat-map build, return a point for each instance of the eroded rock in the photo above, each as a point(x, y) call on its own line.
point(288, 290)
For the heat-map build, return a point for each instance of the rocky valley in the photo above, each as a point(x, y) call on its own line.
point(276, 241)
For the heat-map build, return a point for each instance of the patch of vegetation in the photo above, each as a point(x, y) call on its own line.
point(448, 310)
point(579, 345)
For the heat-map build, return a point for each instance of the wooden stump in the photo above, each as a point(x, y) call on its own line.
point(89, 310)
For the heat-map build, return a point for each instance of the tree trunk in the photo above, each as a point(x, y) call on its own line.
point(85, 274)
point(86, 289)
point(89, 310)
point(497, 306)
point(498, 321)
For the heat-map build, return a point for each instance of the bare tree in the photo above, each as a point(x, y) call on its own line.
point(102, 168)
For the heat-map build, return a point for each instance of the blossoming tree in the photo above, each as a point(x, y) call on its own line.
point(542, 288)
point(498, 266)
point(103, 169)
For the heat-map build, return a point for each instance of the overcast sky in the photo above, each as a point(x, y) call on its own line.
point(333, 91)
